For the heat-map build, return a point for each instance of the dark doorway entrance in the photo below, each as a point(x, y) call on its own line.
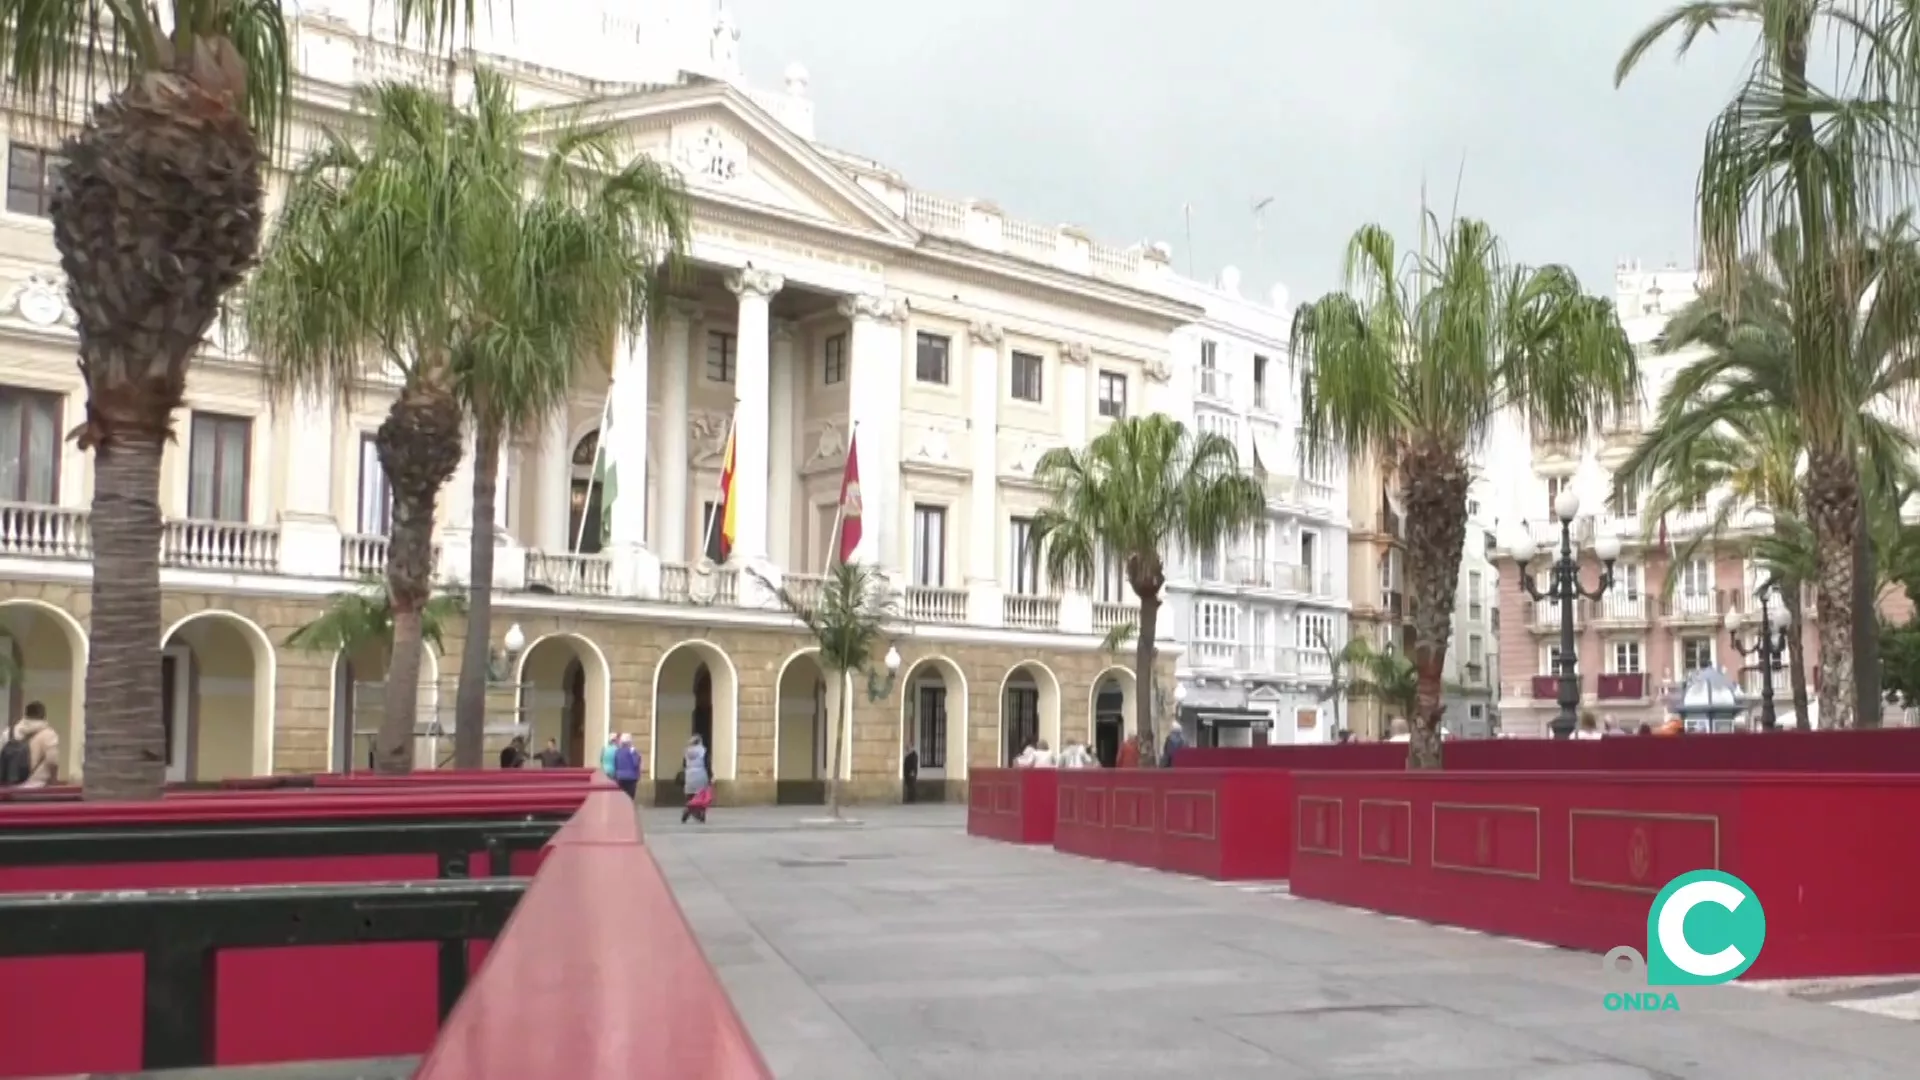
point(573, 741)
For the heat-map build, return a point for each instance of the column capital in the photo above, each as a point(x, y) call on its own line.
point(751, 282)
point(683, 311)
point(865, 306)
point(785, 332)
point(985, 333)
point(1075, 352)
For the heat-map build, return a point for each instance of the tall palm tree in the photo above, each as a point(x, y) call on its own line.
point(1755, 365)
point(171, 161)
point(1411, 364)
point(396, 254)
point(1142, 489)
point(561, 251)
point(849, 619)
point(1825, 163)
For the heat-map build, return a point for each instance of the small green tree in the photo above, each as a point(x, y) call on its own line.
point(354, 620)
point(849, 620)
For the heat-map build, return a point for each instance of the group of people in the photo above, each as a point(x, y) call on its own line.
point(621, 761)
point(515, 755)
point(1078, 755)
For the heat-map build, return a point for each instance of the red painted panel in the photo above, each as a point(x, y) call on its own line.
point(600, 961)
point(1480, 839)
point(1217, 823)
point(1386, 830)
point(240, 807)
point(1015, 805)
point(1625, 849)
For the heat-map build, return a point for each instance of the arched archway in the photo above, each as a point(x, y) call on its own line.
point(696, 691)
point(584, 503)
point(360, 700)
point(1029, 709)
point(566, 693)
point(1110, 705)
point(218, 671)
point(933, 711)
point(48, 648)
point(804, 708)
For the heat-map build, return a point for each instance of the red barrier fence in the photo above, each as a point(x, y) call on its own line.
point(1015, 805)
point(1872, 750)
point(1225, 824)
point(308, 783)
point(1576, 859)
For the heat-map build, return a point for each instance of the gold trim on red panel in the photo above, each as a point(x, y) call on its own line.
point(1319, 845)
point(1106, 807)
point(1066, 807)
point(1213, 800)
point(1361, 817)
point(1640, 846)
point(1148, 792)
point(1486, 840)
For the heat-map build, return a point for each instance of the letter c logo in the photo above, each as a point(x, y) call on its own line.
point(1736, 931)
point(1673, 928)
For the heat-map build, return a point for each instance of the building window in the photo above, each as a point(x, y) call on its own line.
point(1313, 631)
point(1696, 578)
point(217, 467)
point(1551, 658)
point(1023, 558)
point(1210, 564)
point(720, 356)
point(1022, 707)
point(1474, 584)
point(1625, 499)
point(710, 530)
point(1310, 557)
point(1259, 382)
point(1113, 580)
point(376, 497)
point(1626, 658)
point(932, 706)
point(1113, 395)
point(1476, 649)
point(1209, 354)
point(31, 176)
point(930, 353)
point(1555, 485)
point(833, 364)
point(1216, 621)
point(930, 546)
point(29, 446)
point(1027, 370)
point(1696, 654)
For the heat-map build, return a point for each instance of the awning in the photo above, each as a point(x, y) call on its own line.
point(1266, 453)
point(1224, 716)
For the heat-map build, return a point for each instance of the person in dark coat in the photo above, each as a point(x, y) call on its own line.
point(910, 773)
point(515, 754)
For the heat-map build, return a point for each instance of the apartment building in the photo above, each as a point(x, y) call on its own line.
point(832, 305)
point(1258, 619)
point(1383, 608)
point(1664, 617)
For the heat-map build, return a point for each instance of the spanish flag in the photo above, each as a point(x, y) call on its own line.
point(727, 501)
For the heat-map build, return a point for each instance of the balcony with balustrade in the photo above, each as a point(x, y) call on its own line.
point(1700, 607)
point(1621, 611)
point(1544, 616)
point(1214, 384)
point(1624, 686)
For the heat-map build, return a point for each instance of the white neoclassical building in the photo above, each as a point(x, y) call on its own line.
point(1259, 619)
point(833, 304)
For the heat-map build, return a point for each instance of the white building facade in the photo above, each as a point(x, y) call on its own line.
point(1259, 619)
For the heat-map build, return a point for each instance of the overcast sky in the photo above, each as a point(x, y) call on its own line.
point(1110, 114)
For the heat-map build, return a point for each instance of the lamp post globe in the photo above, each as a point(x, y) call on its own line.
point(1566, 506)
point(1523, 547)
point(1607, 547)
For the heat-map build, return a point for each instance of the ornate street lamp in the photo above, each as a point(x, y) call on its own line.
point(1564, 588)
point(1767, 647)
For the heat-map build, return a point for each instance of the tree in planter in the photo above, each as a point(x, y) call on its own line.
point(425, 247)
point(157, 216)
point(849, 619)
point(1142, 489)
point(363, 619)
point(1410, 366)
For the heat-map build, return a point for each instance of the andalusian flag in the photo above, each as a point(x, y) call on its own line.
point(728, 504)
point(606, 476)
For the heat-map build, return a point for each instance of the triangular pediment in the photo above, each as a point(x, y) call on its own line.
point(732, 151)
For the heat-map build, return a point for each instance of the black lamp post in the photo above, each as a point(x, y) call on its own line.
point(1767, 647)
point(1564, 588)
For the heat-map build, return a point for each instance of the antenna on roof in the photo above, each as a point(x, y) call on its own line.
point(1260, 227)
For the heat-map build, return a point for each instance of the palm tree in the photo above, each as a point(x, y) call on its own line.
point(1820, 166)
point(1383, 675)
point(356, 620)
point(1138, 491)
point(1736, 419)
point(172, 162)
point(392, 257)
point(849, 619)
point(561, 252)
point(1412, 363)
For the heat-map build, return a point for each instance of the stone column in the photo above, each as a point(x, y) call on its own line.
point(635, 570)
point(873, 407)
point(985, 590)
point(456, 516)
point(786, 388)
point(309, 530)
point(755, 290)
point(670, 536)
point(555, 486)
point(1076, 394)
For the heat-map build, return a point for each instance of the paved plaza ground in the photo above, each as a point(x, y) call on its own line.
point(904, 948)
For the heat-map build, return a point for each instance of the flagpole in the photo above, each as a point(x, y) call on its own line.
point(720, 508)
point(593, 478)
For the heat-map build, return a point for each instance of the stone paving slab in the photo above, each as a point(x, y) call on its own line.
point(903, 948)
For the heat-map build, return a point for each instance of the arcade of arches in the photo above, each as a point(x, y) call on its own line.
point(239, 701)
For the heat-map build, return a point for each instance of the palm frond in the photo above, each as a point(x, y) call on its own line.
point(851, 616)
point(354, 620)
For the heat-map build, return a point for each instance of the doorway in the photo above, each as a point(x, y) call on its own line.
point(573, 739)
point(176, 709)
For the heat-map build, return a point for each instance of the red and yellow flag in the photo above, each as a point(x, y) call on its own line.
point(727, 501)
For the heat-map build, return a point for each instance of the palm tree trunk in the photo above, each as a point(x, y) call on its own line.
point(126, 754)
point(1833, 509)
point(1145, 652)
point(1866, 626)
point(842, 716)
point(1790, 595)
point(470, 702)
point(1436, 484)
